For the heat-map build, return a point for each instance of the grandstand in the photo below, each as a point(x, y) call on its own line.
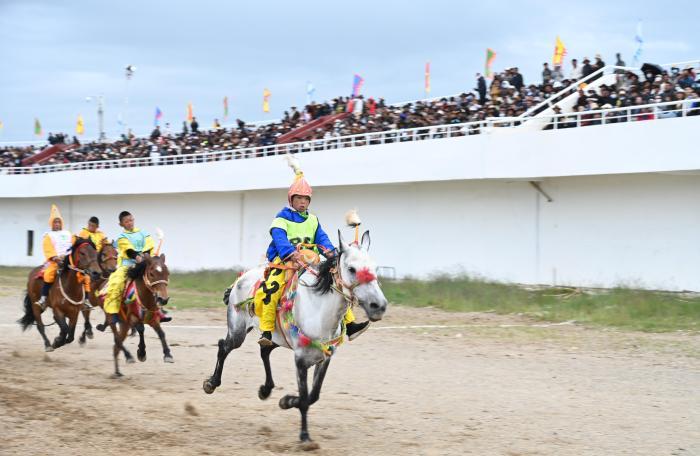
point(519, 189)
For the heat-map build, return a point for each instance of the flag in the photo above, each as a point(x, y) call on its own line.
point(266, 100)
point(490, 57)
point(640, 42)
point(310, 90)
point(357, 85)
point(159, 115)
point(80, 126)
point(2, 125)
point(225, 108)
point(427, 78)
point(190, 112)
point(37, 127)
point(559, 53)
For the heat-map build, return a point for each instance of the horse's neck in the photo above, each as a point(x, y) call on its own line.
point(145, 295)
point(318, 315)
point(68, 280)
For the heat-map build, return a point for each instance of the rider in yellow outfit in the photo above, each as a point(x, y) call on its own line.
point(56, 245)
point(132, 243)
point(92, 232)
point(293, 225)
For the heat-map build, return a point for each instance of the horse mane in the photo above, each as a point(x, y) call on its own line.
point(325, 276)
point(74, 248)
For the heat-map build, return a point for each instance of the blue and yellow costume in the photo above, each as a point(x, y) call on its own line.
point(289, 229)
point(130, 244)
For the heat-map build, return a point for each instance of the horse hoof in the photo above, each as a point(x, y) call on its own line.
point(168, 359)
point(130, 361)
point(89, 335)
point(100, 328)
point(208, 387)
point(287, 402)
point(141, 357)
point(263, 392)
point(48, 348)
point(116, 375)
point(81, 341)
point(304, 436)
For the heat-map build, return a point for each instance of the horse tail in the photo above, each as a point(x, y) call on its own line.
point(28, 318)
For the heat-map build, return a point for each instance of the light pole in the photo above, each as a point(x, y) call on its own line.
point(100, 114)
point(128, 72)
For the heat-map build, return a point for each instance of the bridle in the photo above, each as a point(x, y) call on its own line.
point(72, 267)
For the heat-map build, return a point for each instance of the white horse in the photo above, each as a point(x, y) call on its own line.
point(320, 305)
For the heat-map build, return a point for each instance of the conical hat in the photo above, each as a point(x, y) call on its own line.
point(300, 186)
point(55, 214)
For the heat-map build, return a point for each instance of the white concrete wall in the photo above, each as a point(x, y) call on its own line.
point(641, 229)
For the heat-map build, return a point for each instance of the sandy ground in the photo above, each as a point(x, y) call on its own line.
point(492, 386)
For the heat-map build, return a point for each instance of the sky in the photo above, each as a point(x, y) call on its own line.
point(54, 54)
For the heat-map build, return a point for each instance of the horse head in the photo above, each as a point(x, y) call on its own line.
point(84, 256)
point(107, 258)
point(359, 274)
point(156, 276)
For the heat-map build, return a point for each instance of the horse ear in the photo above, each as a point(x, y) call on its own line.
point(146, 255)
point(162, 257)
point(365, 240)
point(341, 242)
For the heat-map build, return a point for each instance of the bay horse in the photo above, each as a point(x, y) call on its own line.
point(107, 260)
point(66, 295)
point(317, 321)
point(149, 291)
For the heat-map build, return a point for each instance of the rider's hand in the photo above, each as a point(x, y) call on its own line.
point(297, 256)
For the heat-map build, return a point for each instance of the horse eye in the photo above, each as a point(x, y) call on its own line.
point(352, 270)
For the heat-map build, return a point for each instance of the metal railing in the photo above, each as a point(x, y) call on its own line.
point(666, 110)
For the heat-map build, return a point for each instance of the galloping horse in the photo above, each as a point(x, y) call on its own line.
point(317, 321)
point(149, 294)
point(107, 259)
point(66, 295)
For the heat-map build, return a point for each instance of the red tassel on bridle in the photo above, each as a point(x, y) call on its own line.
point(364, 276)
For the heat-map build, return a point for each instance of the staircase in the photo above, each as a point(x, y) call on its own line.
point(46, 154)
point(303, 132)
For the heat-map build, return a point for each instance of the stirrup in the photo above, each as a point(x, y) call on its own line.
point(87, 305)
point(41, 303)
point(264, 341)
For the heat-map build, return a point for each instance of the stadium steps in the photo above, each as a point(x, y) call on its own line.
point(303, 132)
point(47, 154)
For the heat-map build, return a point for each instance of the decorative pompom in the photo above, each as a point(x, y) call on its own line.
point(352, 218)
point(293, 163)
point(160, 233)
point(365, 276)
point(303, 340)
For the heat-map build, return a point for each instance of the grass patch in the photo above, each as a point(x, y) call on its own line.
point(618, 307)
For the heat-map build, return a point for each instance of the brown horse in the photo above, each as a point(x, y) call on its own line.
point(66, 295)
point(151, 293)
point(107, 259)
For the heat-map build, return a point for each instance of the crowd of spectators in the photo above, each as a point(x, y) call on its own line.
point(505, 95)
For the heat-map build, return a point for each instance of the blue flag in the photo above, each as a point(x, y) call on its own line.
point(159, 115)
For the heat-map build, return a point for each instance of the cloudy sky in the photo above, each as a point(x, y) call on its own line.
point(55, 53)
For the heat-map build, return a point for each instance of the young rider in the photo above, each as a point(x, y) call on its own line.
point(56, 245)
point(293, 225)
point(92, 232)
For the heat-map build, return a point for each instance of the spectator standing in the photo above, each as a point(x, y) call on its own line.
point(587, 68)
point(481, 88)
point(546, 74)
point(194, 125)
point(184, 128)
point(155, 134)
point(517, 80)
point(575, 73)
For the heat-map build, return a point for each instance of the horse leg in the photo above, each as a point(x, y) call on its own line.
point(266, 389)
point(102, 326)
point(87, 331)
point(141, 353)
point(119, 336)
point(72, 323)
point(303, 400)
point(40, 327)
point(319, 375)
point(167, 357)
point(60, 319)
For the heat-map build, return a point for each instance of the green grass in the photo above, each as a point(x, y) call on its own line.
point(618, 307)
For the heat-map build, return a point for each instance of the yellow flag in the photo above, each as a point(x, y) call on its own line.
point(266, 100)
point(559, 52)
point(80, 126)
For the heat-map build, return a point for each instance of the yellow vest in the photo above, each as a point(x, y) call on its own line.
point(97, 237)
point(298, 233)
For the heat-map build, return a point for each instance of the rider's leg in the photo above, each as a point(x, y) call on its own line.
point(266, 298)
point(85, 280)
point(115, 290)
point(49, 279)
point(353, 329)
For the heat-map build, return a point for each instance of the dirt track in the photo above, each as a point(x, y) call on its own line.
point(487, 388)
